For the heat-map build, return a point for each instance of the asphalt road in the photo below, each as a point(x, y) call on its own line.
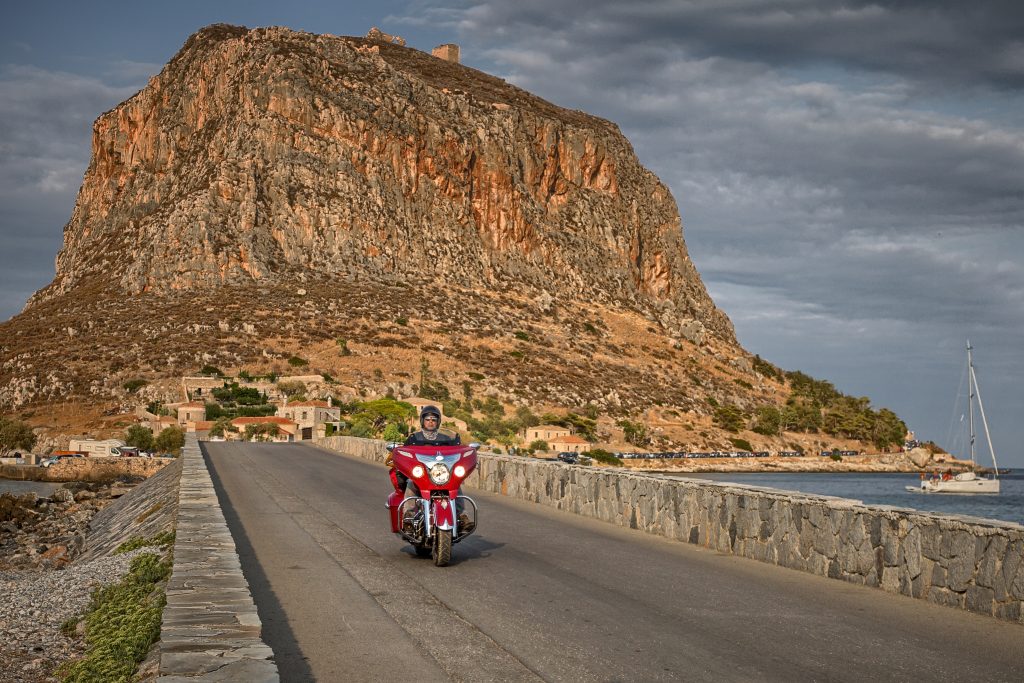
point(537, 594)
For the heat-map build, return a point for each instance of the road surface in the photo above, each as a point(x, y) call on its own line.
point(538, 594)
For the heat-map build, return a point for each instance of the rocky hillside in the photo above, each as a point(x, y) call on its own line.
point(362, 206)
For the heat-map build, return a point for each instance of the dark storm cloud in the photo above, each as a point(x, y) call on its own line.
point(45, 128)
point(935, 43)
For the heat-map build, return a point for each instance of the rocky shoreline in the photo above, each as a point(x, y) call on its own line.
point(45, 580)
point(884, 463)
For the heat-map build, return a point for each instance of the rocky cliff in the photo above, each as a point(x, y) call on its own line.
point(273, 156)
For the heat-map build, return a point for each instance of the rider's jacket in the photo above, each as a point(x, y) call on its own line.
point(441, 438)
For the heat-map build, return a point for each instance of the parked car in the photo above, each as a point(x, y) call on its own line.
point(569, 457)
point(48, 462)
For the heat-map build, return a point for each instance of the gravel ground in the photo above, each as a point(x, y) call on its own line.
point(34, 604)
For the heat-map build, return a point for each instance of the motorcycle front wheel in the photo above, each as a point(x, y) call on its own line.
point(443, 547)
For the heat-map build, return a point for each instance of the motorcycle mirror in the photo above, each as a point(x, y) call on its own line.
point(474, 446)
point(391, 445)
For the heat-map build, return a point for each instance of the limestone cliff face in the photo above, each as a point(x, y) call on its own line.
point(273, 156)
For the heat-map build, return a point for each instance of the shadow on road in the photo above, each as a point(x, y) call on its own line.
point(291, 663)
point(473, 548)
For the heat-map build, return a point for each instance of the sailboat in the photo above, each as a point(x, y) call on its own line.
point(967, 482)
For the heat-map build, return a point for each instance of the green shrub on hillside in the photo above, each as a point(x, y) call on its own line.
point(133, 385)
point(601, 455)
point(741, 444)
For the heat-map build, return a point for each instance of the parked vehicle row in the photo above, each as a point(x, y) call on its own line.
point(678, 454)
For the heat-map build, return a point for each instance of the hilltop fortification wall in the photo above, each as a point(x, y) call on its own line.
point(964, 562)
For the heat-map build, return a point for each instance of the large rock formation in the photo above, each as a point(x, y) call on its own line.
point(363, 210)
point(269, 155)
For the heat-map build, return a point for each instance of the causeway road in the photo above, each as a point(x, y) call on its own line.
point(538, 594)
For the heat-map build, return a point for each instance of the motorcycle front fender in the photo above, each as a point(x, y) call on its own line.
point(444, 513)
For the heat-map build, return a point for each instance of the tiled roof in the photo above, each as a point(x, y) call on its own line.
point(242, 421)
point(567, 439)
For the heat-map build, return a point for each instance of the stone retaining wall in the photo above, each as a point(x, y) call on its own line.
point(963, 562)
point(86, 469)
point(145, 512)
point(210, 629)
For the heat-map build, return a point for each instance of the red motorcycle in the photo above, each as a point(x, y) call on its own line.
point(430, 521)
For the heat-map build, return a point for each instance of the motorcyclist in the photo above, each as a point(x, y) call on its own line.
point(430, 434)
point(430, 431)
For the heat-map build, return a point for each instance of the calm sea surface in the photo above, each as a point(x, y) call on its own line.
point(43, 488)
point(887, 489)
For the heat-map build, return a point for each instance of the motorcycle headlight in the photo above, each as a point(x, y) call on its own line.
point(460, 471)
point(417, 471)
point(439, 473)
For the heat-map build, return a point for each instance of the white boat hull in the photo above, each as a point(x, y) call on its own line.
point(967, 482)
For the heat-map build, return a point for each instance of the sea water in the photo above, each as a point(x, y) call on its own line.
point(41, 488)
point(889, 489)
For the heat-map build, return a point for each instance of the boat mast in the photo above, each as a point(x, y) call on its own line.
point(970, 400)
point(974, 388)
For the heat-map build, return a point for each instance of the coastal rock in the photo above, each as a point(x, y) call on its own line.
point(920, 456)
point(62, 495)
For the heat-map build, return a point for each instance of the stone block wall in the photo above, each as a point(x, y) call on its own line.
point(86, 469)
point(963, 562)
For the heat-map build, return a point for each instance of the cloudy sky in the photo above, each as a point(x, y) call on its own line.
point(850, 174)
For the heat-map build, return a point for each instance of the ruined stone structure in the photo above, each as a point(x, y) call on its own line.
point(376, 34)
point(448, 52)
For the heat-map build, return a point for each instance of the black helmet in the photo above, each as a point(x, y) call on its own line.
point(430, 410)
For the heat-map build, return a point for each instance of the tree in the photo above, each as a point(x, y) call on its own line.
point(170, 440)
point(526, 417)
point(634, 432)
point(221, 427)
point(211, 371)
point(261, 432)
point(139, 436)
point(767, 420)
point(729, 417)
point(393, 433)
point(15, 435)
point(538, 445)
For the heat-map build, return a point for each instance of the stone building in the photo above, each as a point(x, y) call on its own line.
point(311, 417)
point(570, 444)
point(191, 412)
point(448, 52)
point(545, 433)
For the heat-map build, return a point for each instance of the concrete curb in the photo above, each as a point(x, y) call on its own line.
point(210, 629)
